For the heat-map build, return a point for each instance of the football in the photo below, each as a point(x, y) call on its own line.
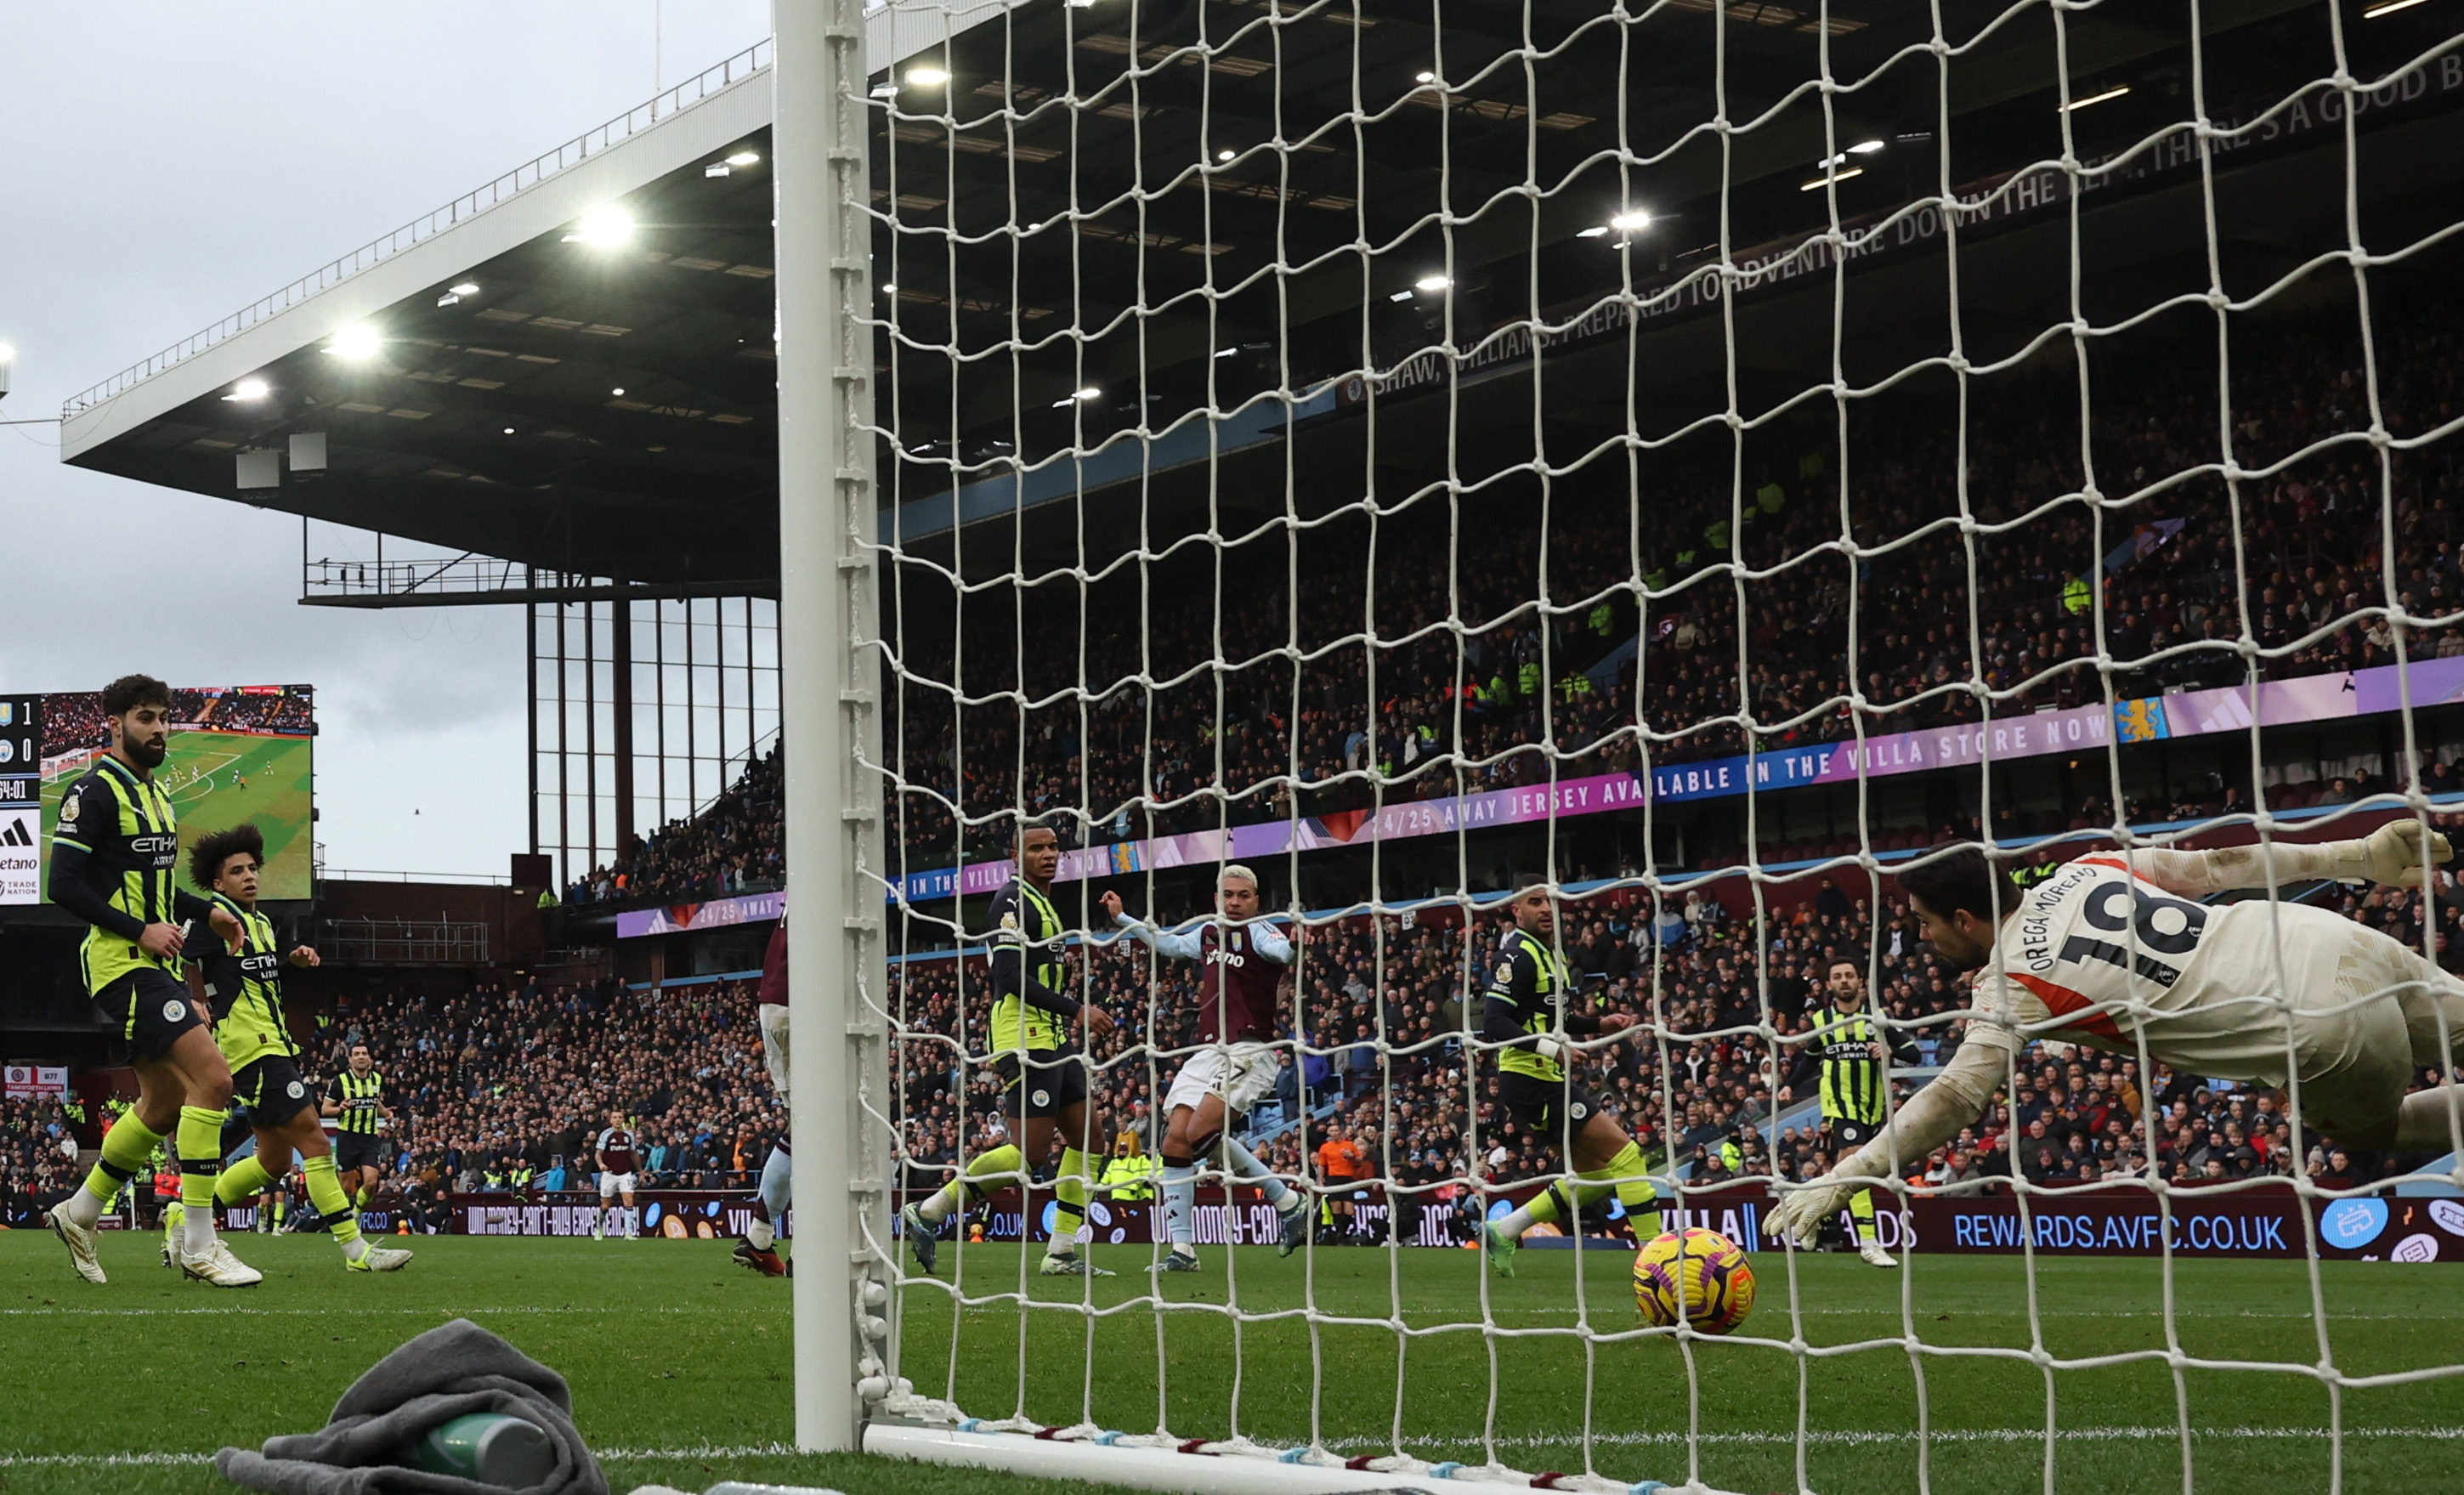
point(1700, 1276)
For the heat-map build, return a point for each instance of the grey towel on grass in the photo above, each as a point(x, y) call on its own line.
point(450, 1370)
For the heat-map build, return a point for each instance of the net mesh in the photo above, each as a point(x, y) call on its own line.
point(1702, 456)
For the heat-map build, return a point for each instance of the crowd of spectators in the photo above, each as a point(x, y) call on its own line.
point(510, 1082)
point(38, 1152)
point(1381, 1069)
point(1259, 681)
point(283, 709)
point(736, 844)
point(506, 1085)
point(72, 719)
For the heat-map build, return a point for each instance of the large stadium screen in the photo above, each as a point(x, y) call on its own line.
point(238, 752)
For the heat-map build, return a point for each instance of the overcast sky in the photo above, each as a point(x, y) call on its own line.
point(162, 165)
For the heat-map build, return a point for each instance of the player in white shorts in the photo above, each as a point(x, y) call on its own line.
point(1245, 962)
point(758, 1249)
point(618, 1161)
point(2110, 951)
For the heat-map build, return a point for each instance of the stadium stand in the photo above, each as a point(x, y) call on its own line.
point(503, 1076)
point(35, 1168)
point(1146, 763)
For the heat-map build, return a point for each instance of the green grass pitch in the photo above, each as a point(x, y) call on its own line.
point(200, 769)
point(680, 1365)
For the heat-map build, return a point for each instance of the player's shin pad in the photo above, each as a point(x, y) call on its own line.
point(1179, 1201)
point(199, 1142)
point(1005, 1161)
point(243, 1180)
point(778, 1179)
point(1624, 1174)
point(1070, 1190)
point(1244, 1164)
point(325, 1192)
point(125, 1146)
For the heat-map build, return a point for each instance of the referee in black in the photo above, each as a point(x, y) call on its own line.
point(1849, 1051)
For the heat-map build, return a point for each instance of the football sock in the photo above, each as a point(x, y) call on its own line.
point(243, 1180)
point(1003, 1159)
point(201, 1166)
point(1547, 1207)
point(761, 1235)
point(1624, 1174)
point(1245, 1165)
point(325, 1192)
point(1860, 1209)
point(173, 1217)
point(1069, 1187)
point(2421, 1122)
point(125, 1146)
point(1179, 1201)
point(366, 1192)
point(777, 1180)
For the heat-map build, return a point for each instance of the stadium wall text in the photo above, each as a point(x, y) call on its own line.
point(2255, 1224)
point(676, 1213)
point(2188, 714)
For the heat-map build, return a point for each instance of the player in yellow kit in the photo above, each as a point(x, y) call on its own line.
point(244, 992)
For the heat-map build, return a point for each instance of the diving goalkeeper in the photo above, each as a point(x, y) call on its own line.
point(2109, 952)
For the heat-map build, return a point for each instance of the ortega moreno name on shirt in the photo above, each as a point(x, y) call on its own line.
point(2037, 924)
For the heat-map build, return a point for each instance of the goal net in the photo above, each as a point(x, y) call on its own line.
point(1567, 504)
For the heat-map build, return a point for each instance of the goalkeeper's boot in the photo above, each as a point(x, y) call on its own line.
point(378, 1259)
point(1069, 1263)
point(1874, 1255)
point(923, 1236)
point(219, 1268)
point(79, 1240)
point(1296, 1229)
point(1500, 1246)
point(760, 1260)
point(1176, 1261)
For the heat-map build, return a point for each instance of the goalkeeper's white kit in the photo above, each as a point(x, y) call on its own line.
point(2112, 951)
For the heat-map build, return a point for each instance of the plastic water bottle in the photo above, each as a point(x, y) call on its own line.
point(489, 1447)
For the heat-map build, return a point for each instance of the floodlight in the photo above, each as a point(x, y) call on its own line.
point(928, 75)
point(1864, 147)
point(1424, 78)
point(1630, 220)
point(250, 389)
point(743, 158)
point(357, 342)
point(1224, 154)
point(603, 228)
point(1593, 232)
point(1432, 282)
point(466, 288)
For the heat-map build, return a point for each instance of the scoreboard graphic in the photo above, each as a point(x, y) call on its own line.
point(21, 797)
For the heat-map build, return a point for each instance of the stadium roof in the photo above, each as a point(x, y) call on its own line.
point(1212, 286)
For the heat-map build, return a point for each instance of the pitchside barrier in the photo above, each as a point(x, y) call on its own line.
point(2250, 1221)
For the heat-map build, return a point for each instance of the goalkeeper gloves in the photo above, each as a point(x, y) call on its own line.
point(1799, 1215)
point(2391, 854)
